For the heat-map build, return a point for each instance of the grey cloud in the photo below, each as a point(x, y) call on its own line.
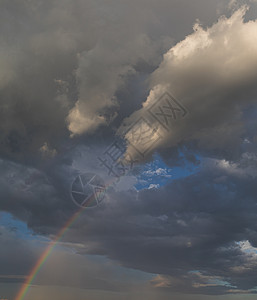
point(39, 198)
point(55, 54)
point(207, 214)
point(59, 55)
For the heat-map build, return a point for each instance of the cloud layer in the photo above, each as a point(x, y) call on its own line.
point(74, 73)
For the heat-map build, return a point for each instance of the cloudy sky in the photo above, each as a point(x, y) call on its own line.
point(152, 103)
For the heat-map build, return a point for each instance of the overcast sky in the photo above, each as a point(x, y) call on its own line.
point(173, 83)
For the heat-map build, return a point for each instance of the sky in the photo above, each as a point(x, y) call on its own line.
point(141, 116)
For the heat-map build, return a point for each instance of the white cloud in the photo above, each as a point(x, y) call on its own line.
point(153, 186)
point(210, 72)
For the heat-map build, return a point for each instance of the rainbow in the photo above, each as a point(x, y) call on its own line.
point(33, 273)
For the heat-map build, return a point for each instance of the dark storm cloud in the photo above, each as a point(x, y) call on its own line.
point(68, 64)
point(55, 53)
point(195, 224)
point(41, 200)
point(58, 53)
point(73, 67)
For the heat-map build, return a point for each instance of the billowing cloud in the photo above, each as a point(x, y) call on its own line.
point(212, 75)
point(78, 68)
